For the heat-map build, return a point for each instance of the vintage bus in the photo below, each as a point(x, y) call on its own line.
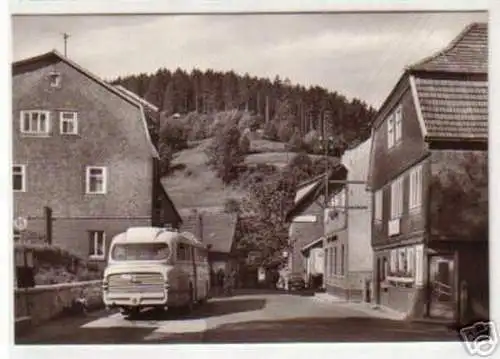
point(152, 267)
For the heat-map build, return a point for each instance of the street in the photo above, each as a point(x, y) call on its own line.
point(255, 317)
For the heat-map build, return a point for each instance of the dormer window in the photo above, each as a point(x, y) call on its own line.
point(55, 79)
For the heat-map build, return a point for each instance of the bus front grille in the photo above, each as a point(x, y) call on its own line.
point(136, 283)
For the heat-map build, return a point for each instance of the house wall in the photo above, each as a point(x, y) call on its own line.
point(301, 234)
point(351, 229)
point(336, 281)
point(386, 164)
point(360, 254)
point(110, 133)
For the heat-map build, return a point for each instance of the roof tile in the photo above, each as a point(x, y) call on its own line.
point(454, 108)
point(467, 53)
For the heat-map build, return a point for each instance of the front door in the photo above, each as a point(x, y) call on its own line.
point(442, 301)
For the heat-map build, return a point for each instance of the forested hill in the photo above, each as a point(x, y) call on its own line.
point(278, 100)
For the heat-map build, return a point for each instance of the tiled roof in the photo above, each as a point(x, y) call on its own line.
point(467, 53)
point(454, 108)
point(218, 229)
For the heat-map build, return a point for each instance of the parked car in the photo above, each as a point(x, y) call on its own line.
point(295, 281)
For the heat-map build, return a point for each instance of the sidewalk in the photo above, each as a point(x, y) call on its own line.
point(370, 309)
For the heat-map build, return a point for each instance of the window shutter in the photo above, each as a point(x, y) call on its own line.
point(91, 243)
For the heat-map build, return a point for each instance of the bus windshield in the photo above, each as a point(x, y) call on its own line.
point(140, 251)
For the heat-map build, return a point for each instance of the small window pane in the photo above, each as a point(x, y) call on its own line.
point(26, 122)
point(96, 185)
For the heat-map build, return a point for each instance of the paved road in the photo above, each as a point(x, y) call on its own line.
point(271, 317)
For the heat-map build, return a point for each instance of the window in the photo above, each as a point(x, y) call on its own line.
point(339, 200)
point(342, 259)
point(397, 198)
point(183, 252)
point(416, 187)
point(390, 132)
point(395, 127)
point(393, 262)
point(378, 205)
point(97, 244)
point(403, 264)
point(410, 257)
point(332, 264)
point(96, 180)
point(335, 260)
point(140, 251)
point(19, 178)
point(398, 123)
point(327, 261)
point(68, 123)
point(17, 235)
point(55, 79)
point(35, 122)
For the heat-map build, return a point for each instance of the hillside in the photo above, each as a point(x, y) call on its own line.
point(194, 184)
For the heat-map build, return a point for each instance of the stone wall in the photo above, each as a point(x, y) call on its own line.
point(45, 302)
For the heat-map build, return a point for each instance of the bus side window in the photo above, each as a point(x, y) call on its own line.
point(181, 251)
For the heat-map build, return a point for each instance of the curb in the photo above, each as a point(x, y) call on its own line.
point(371, 309)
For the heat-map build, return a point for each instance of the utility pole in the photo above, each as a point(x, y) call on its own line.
point(325, 144)
point(65, 38)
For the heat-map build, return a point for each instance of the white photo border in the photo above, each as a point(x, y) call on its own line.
point(339, 350)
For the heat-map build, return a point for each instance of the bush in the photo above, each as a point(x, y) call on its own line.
point(270, 131)
point(296, 143)
point(244, 145)
point(166, 156)
point(174, 134)
point(285, 131)
point(224, 154)
point(54, 265)
point(232, 205)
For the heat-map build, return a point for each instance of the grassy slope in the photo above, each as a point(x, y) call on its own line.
point(196, 185)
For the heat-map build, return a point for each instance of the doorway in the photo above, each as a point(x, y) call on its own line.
point(442, 301)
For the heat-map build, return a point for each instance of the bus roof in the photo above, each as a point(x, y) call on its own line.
point(149, 234)
point(143, 234)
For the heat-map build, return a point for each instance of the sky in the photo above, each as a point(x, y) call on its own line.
point(359, 55)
